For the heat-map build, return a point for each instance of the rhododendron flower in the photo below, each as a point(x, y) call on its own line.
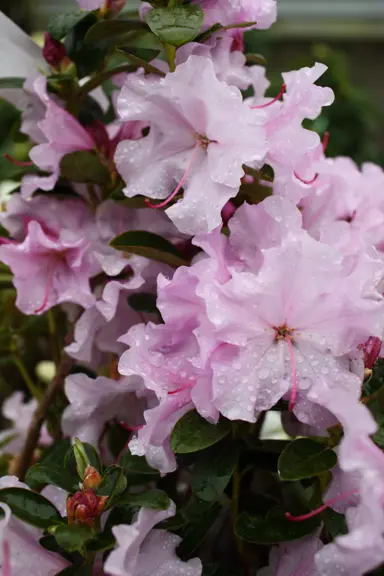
point(142, 550)
point(192, 138)
point(294, 558)
point(93, 402)
point(54, 249)
point(228, 12)
point(19, 545)
point(20, 414)
point(293, 152)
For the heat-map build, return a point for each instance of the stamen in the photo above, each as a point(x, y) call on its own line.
point(303, 517)
point(180, 184)
point(17, 162)
point(324, 145)
point(48, 287)
point(283, 89)
point(131, 428)
point(6, 559)
point(292, 401)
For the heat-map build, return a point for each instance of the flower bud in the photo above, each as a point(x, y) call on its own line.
point(54, 51)
point(371, 350)
point(85, 507)
point(92, 478)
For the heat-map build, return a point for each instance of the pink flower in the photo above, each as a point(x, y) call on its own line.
point(19, 546)
point(142, 550)
point(20, 413)
point(53, 247)
point(293, 152)
point(191, 138)
point(294, 558)
point(229, 12)
point(63, 134)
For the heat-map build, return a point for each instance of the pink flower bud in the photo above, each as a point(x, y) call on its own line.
point(54, 51)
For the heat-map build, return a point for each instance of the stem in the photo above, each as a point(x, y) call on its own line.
point(33, 389)
point(39, 417)
point(170, 52)
point(103, 77)
point(54, 337)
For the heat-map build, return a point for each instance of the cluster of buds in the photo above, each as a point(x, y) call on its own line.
point(84, 507)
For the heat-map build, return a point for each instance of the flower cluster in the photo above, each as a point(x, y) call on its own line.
point(209, 264)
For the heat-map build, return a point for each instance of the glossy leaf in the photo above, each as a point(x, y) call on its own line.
point(305, 458)
point(84, 166)
point(193, 433)
point(112, 484)
point(93, 457)
point(176, 25)
point(41, 474)
point(196, 532)
point(376, 406)
point(30, 507)
point(136, 465)
point(72, 537)
point(274, 528)
point(150, 246)
point(87, 57)
point(60, 25)
point(114, 32)
point(213, 470)
point(156, 499)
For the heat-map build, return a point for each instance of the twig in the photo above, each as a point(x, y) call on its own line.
point(25, 458)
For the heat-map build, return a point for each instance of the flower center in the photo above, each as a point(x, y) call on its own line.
point(202, 140)
point(283, 332)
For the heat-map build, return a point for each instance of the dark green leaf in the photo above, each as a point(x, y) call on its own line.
point(216, 27)
point(304, 458)
point(177, 25)
point(87, 57)
point(143, 302)
point(136, 464)
point(101, 542)
point(150, 246)
point(376, 406)
point(11, 82)
point(56, 453)
point(156, 499)
point(93, 457)
point(113, 483)
point(30, 507)
point(41, 474)
point(114, 32)
point(196, 532)
point(72, 537)
point(335, 523)
point(83, 166)
point(49, 543)
point(274, 528)
point(193, 433)
point(135, 59)
point(60, 25)
point(118, 515)
point(213, 470)
point(146, 54)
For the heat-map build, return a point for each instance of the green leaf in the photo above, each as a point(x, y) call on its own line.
point(41, 474)
point(113, 483)
point(30, 507)
point(72, 537)
point(376, 406)
point(81, 457)
point(335, 523)
point(305, 458)
point(76, 570)
point(213, 470)
point(156, 499)
point(49, 543)
point(87, 57)
point(139, 62)
point(92, 455)
point(60, 25)
point(114, 32)
point(136, 465)
point(150, 246)
point(177, 25)
point(146, 54)
point(101, 542)
point(193, 433)
point(84, 166)
point(12, 82)
point(143, 302)
point(196, 532)
point(274, 528)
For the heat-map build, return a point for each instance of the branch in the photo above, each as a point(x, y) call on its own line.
point(25, 458)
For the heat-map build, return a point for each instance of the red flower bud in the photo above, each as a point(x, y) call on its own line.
point(92, 478)
point(54, 52)
point(371, 350)
point(85, 507)
point(100, 136)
